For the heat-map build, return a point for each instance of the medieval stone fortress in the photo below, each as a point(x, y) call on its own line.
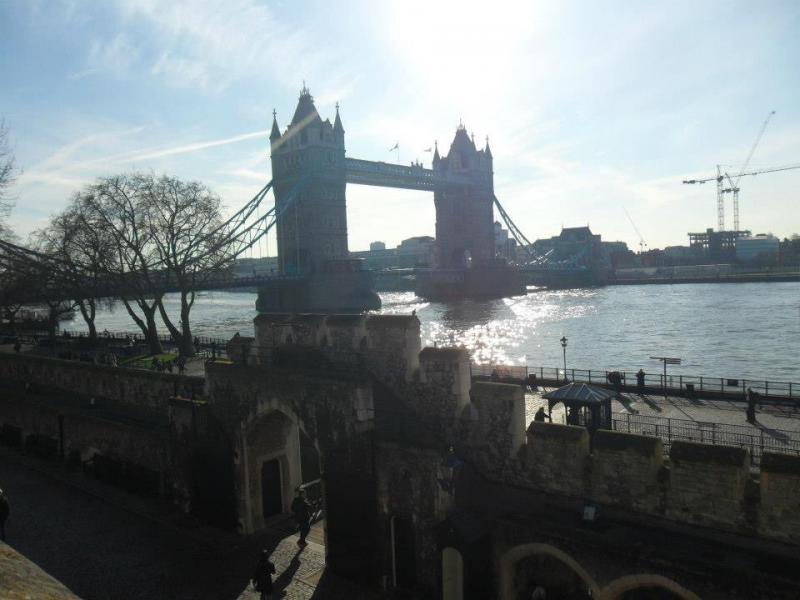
point(428, 477)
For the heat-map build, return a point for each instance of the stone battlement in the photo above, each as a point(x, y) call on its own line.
point(699, 484)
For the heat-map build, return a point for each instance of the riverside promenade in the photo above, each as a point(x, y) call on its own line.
point(706, 410)
point(715, 421)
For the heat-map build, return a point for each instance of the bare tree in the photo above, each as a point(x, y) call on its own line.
point(82, 259)
point(7, 176)
point(184, 221)
point(116, 205)
point(15, 290)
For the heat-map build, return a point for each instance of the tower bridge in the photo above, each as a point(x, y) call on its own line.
point(312, 223)
point(310, 173)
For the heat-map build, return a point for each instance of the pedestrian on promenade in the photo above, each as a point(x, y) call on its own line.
point(181, 362)
point(302, 514)
point(262, 575)
point(640, 379)
point(5, 509)
point(752, 398)
point(532, 383)
point(615, 379)
point(539, 416)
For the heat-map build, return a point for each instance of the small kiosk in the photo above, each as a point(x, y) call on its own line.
point(586, 405)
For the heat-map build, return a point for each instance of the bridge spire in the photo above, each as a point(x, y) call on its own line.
point(276, 132)
point(488, 150)
point(338, 129)
point(436, 157)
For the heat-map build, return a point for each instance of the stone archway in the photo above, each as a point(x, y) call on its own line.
point(269, 465)
point(551, 559)
point(648, 586)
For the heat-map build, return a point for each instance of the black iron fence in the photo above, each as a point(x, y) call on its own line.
point(669, 430)
point(685, 384)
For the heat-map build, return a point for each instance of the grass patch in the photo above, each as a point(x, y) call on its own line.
point(145, 361)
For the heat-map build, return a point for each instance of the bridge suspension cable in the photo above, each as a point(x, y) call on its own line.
point(523, 241)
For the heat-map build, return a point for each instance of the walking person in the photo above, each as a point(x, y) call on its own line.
point(262, 575)
point(751, 405)
point(5, 509)
point(640, 379)
point(302, 514)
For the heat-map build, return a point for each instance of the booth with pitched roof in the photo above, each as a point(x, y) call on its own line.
point(585, 405)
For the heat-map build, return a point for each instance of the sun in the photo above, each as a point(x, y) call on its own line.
point(465, 52)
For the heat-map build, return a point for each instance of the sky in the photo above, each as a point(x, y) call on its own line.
point(592, 109)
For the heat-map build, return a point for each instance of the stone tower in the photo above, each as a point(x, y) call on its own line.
point(308, 173)
point(464, 217)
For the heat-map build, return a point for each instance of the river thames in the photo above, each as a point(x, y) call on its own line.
point(723, 330)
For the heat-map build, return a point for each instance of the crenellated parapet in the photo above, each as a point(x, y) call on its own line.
point(709, 486)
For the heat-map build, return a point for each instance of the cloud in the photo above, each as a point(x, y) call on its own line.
point(46, 185)
point(211, 44)
point(116, 55)
point(187, 148)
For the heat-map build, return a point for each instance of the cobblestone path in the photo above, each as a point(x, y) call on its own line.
point(104, 544)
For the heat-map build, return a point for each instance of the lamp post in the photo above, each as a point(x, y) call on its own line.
point(564, 348)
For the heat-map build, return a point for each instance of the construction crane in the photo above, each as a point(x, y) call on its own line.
point(734, 185)
point(733, 188)
point(642, 243)
point(745, 164)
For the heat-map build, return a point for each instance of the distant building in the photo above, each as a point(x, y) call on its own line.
point(504, 246)
point(715, 246)
point(420, 246)
point(412, 252)
point(790, 251)
point(760, 248)
point(678, 252)
point(574, 245)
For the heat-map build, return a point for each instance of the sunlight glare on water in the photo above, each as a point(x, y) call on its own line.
point(722, 330)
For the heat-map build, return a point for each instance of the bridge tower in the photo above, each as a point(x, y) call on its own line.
point(309, 181)
point(308, 174)
point(464, 217)
point(464, 263)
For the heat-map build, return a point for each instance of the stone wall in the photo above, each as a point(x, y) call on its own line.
point(144, 389)
point(388, 344)
point(699, 484)
point(495, 425)
point(124, 425)
point(556, 457)
point(625, 470)
point(780, 496)
point(707, 484)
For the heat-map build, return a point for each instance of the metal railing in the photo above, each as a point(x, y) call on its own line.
point(130, 348)
point(684, 384)
point(740, 436)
